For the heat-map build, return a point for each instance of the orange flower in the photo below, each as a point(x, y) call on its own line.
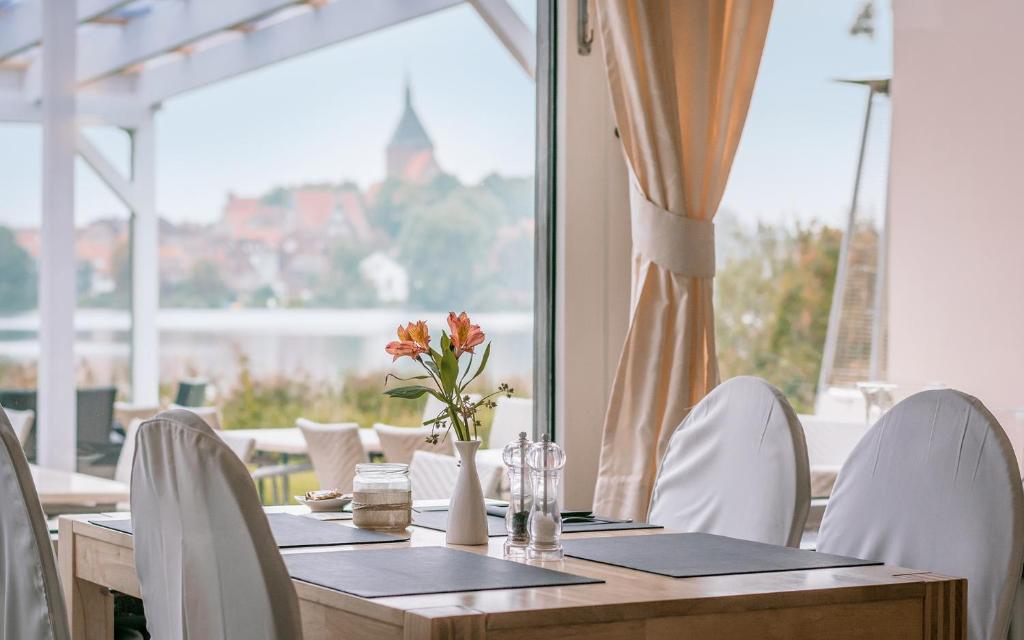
point(413, 340)
point(464, 336)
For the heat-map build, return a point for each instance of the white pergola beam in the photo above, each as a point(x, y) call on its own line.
point(167, 27)
point(57, 428)
point(21, 25)
point(122, 111)
point(510, 29)
point(122, 187)
point(145, 257)
point(326, 25)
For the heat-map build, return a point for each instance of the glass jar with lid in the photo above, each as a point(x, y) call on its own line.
point(382, 496)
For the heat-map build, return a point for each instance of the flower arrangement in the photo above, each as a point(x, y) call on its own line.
point(448, 377)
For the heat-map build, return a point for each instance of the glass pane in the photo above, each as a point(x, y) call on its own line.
point(311, 207)
point(790, 192)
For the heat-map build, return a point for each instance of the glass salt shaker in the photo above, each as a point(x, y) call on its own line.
point(520, 496)
point(546, 460)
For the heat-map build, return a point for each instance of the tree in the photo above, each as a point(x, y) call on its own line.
point(204, 288)
point(343, 286)
point(17, 275)
point(772, 304)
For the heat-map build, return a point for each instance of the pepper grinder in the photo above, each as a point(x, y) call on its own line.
point(520, 496)
point(546, 460)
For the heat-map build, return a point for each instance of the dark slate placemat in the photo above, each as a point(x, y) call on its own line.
point(691, 555)
point(409, 571)
point(292, 531)
point(438, 520)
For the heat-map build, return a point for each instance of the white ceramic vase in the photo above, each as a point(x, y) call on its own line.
point(467, 515)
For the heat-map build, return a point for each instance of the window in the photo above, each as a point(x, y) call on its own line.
point(785, 212)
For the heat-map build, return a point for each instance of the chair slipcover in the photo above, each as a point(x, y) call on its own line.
point(433, 476)
point(21, 422)
point(935, 486)
point(207, 562)
point(335, 450)
point(511, 416)
point(399, 443)
point(31, 600)
point(736, 466)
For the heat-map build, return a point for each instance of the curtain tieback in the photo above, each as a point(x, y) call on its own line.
point(679, 244)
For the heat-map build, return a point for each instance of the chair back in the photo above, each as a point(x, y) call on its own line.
point(96, 417)
point(736, 466)
point(123, 470)
point(191, 393)
point(399, 443)
point(21, 422)
point(934, 486)
point(206, 559)
point(31, 592)
point(511, 416)
point(433, 476)
point(334, 450)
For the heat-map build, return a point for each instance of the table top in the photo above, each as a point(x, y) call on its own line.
point(290, 440)
point(641, 594)
point(65, 487)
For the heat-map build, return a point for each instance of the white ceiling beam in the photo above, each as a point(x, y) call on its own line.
point(510, 29)
point(167, 27)
point(20, 25)
point(326, 25)
point(121, 111)
point(119, 184)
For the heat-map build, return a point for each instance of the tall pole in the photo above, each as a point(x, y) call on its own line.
point(145, 258)
point(835, 312)
point(57, 429)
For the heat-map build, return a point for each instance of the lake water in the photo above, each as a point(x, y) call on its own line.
point(321, 344)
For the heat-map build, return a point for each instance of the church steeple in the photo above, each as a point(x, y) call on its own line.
point(410, 153)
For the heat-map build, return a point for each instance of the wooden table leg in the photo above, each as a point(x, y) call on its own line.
point(444, 623)
point(90, 606)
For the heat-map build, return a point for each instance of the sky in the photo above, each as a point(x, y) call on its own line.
point(327, 116)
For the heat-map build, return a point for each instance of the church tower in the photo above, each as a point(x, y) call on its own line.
point(410, 154)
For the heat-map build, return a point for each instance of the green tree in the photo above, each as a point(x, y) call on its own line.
point(343, 286)
point(17, 275)
point(772, 303)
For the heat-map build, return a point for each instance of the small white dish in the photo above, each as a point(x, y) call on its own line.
point(331, 504)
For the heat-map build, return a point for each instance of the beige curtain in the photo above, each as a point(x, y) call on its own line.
point(681, 74)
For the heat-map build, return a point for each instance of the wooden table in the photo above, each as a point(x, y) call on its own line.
point(845, 603)
point(80, 489)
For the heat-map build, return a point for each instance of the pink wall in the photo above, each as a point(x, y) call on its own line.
point(957, 202)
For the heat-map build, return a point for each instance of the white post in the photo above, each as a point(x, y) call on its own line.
point(56, 402)
point(145, 257)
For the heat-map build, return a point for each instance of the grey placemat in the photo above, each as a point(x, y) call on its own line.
point(690, 555)
point(292, 531)
point(438, 520)
point(378, 573)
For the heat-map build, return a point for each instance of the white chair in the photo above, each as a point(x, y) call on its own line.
point(511, 416)
point(433, 476)
point(399, 443)
point(335, 450)
point(21, 422)
point(935, 486)
point(29, 586)
point(206, 559)
point(736, 466)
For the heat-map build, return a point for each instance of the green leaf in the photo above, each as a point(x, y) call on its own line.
point(409, 393)
point(483, 363)
point(449, 371)
point(391, 375)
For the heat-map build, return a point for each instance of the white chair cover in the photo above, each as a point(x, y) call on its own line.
point(31, 600)
point(21, 422)
point(511, 416)
point(334, 450)
point(399, 443)
point(123, 470)
point(736, 466)
point(433, 476)
point(207, 562)
point(935, 486)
